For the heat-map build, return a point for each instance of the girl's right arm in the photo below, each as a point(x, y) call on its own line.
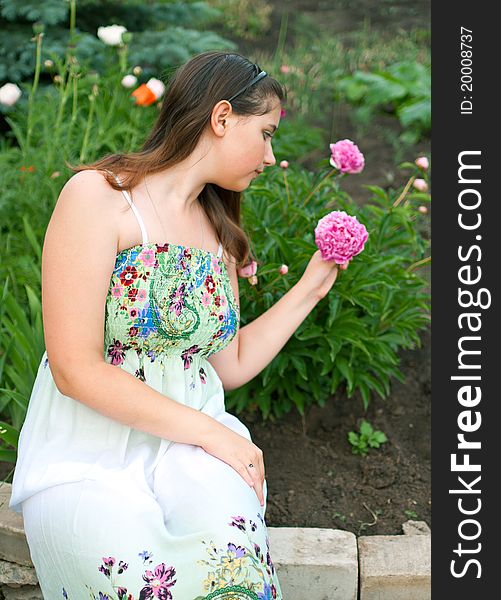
point(77, 262)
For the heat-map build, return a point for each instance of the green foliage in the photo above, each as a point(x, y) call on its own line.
point(377, 306)
point(246, 19)
point(21, 348)
point(365, 440)
point(164, 33)
point(404, 89)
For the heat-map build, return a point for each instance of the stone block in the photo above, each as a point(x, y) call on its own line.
point(13, 545)
point(315, 563)
point(416, 528)
point(17, 575)
point(395, 567)
point(26, 592)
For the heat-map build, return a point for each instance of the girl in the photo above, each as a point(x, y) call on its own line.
point(133, 480)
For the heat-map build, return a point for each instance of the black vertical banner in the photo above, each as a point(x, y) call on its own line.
point(466, 440)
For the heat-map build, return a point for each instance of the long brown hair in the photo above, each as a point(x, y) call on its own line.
point(191, 95)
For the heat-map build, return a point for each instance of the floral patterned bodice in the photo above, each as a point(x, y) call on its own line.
point(168, 301)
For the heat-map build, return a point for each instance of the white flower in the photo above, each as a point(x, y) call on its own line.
point(111, 35)
point(156, 86)
point(9, 94)
point(129, 81)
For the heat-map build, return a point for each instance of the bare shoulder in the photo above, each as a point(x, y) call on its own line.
point(87, 187)
point(86, 208)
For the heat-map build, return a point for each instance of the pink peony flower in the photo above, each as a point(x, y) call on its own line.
point(346, 157)
point(284, 164)
point(340, 237)
point(423, 210)
point(283, 270)
point(249, 270)
point(422, 162)
point(420, 185)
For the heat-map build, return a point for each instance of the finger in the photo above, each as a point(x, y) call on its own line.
point(258, 486)
point(344, 266)
point(244, 472)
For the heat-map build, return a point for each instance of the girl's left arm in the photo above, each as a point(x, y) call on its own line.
point(257, 343)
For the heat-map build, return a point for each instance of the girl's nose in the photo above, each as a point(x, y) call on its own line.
point(269, 157)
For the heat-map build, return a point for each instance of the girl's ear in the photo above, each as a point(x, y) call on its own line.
point(219, 117)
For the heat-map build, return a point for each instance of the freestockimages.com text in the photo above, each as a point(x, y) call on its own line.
point(472, 300)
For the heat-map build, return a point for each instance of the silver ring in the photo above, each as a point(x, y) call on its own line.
point(251, 465)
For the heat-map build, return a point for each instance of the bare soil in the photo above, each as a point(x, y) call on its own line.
point(313, 478)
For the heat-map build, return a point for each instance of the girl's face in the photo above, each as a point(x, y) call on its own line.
point(245, 148)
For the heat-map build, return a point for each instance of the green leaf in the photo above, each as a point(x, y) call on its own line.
point(8, 434)
point(366, 428)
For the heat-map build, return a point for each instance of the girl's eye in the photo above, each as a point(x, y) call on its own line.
point(267, 133)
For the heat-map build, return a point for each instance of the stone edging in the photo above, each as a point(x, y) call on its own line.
point(312, 563)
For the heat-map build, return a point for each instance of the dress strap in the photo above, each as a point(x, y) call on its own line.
point(220, 250)
point(133, 206)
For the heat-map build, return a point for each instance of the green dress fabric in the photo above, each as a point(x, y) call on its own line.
point(111, 512)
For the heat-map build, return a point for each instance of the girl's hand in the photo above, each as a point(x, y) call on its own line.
point(320, 275)
point(238, 452)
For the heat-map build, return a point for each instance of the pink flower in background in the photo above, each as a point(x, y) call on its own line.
point(346, 157)
point(285, 69)
point(420, 185)
point(283, 112)
point(340, 237)
point(423, 210)
point(284, 164)
point(283, 270)
point(422, 162)
point(249, 270)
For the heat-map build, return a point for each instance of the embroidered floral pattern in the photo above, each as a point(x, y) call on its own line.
point(239, 571)
point(168, 300)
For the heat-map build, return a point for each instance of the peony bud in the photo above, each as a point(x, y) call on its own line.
point(423, 210)
point(127, 37)
point(284, 164)
point(137, 70)
point(9, 94)
point(48, 64)
point(111, 35)
point(38, 27)
point(422, 162)
point(285, 69)
point(129, 81)
point(253, 280)
point(283, 270)
point(420, 185)
point(58, 79)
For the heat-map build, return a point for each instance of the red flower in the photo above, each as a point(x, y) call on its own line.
point(210, 284)
point(132, 294)
point(127, 277)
